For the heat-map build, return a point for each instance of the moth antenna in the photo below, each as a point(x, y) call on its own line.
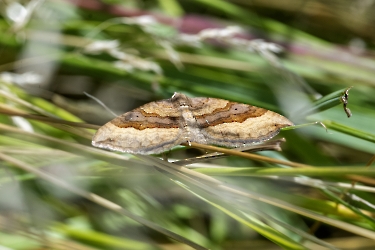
point(100, 103)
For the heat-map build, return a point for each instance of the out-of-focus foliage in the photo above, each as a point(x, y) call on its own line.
point(293, 57)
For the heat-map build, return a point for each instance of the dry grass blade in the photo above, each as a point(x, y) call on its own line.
point(269, 145)
point(247, 155)
point(4, 110)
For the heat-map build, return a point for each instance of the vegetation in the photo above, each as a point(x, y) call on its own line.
point(311, 61)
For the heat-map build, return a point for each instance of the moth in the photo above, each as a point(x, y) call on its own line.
point(158, 126)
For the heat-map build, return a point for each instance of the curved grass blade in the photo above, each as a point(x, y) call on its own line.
point(349, 130)
point(96, 199)
point(218, 188)
point(327, 102)
point(251, 222)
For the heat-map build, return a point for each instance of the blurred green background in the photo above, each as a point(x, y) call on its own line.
point(58, 192)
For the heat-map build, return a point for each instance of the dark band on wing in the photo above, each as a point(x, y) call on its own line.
point(232, 112)
point(140, 120)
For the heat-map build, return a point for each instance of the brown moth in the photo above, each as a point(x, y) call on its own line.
point(158, 126)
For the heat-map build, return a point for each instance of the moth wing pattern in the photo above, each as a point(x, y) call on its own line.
point(234, 124)
point(150, 129)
